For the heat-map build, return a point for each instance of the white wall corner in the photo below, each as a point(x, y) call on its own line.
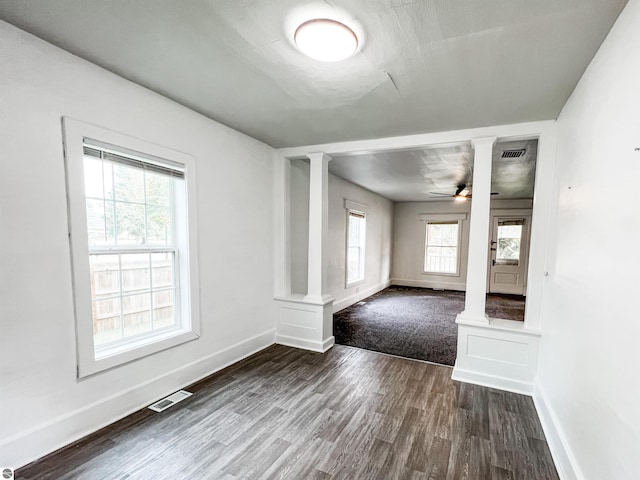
point(56, 433)
point(563, 456)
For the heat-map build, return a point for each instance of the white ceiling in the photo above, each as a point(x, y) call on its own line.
point(412, 175)
point(424, 66)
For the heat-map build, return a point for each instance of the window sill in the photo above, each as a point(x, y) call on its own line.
point(439, 274)
point(119, 355)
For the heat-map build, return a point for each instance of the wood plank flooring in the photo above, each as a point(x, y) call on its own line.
point(290, 414)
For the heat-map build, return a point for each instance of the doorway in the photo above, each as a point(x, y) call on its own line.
point(509, 253)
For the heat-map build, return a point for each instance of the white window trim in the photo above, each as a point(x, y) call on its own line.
point(442, 217)
point(74, 133)
point(360, 209)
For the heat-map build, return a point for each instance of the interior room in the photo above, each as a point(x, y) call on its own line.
point(191, 190)
point(430, 189)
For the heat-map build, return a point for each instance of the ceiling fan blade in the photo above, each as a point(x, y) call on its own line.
point(469, 196)
point(439, 193)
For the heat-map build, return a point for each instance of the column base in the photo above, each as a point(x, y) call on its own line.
point(305, 323)
point(472, 318)
point(502, 354)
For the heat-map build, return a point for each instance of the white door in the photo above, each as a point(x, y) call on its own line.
point(509, 255)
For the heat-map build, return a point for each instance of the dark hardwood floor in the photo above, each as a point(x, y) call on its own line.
point(347, 414)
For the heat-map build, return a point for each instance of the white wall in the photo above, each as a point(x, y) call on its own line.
point(43, 405)
point(378, 247)
point(409, 238)
point(589, 369)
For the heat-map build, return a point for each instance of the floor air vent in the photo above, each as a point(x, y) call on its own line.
point(170, 401)
point(513, 153)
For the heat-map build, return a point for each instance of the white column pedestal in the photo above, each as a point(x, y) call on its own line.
point(304, 324)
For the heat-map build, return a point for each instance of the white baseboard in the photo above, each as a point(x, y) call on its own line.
point(404, 282)
point(492, 381)
point(561, 452)
point(347, 302)
point(38, 441)
point(305, 344)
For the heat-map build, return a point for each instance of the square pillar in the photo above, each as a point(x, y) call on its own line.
point(476, 289)
point(318, 227)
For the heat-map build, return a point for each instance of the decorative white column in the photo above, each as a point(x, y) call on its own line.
point(318, 227)
point(307, 321)
point(476, 289)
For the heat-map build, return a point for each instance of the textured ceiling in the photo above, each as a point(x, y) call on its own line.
point(424, 66)
point(412, 175)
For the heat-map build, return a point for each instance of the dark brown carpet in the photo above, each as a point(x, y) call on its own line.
point(414, 322)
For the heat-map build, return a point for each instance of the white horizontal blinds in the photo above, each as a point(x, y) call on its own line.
point(131, 161)
point(356, 214)
point(511, 222)
point(449, 222)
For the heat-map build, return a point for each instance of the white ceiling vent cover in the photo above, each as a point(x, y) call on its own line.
point(513, 153)
point(170, 401)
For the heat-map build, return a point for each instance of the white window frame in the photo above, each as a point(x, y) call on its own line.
point(75, 133)
point(359, 210)
point(440, 218)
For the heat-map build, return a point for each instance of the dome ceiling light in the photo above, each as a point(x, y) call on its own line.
point(325, 40)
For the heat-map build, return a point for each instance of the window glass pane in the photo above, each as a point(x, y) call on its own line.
point(162, 270)
point(508, 247)
point(353, 261)
point(158, 189)
point(136, 272)
point(159, 225)
point(105, 275)
point(163, 309)
point(356, 237)
point(441, 252)
point(106, 321)
point(93, 183)
point(107, 175)
point(128, 183)
point(110, 222)
point(96, 222)
point(130, 224)
point(136, 314)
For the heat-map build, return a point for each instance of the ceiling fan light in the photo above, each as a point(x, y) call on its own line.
point(326, 40)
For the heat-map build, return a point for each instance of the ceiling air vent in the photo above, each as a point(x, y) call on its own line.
point(513, 153)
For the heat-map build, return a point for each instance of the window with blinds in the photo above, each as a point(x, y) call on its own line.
point(132, 209)
point(356, 239)
point(441, 248)
point(134, 254)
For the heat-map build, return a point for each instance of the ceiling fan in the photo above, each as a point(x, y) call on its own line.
point(462, 191)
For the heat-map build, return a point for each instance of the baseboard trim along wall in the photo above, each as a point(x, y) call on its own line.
point(48, 437)
point(353, 299)
point(492, 381)
point(305, 344)
point(561, 452)
point(438, 285)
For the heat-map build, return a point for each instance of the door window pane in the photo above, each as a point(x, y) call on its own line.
point(508, 242)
